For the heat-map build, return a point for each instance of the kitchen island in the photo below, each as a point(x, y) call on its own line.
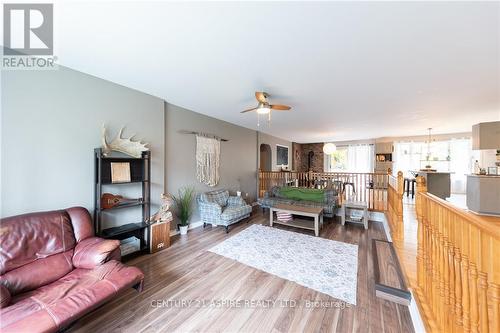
point(438, 182)
point(483, 194)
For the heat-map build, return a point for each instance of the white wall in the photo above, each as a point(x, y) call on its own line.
point(485, 157)
point(51, 123)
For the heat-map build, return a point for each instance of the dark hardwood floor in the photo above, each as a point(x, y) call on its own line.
point(188, 272)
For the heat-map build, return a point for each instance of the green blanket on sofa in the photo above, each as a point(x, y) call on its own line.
point(306, 194)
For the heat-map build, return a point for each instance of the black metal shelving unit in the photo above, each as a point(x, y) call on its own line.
point(140, 173)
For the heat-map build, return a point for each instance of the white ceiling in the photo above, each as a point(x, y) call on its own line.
point(350, 70)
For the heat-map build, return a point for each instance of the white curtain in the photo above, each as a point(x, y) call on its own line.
point(360, 158)
point(352, 158)
point(207, 160)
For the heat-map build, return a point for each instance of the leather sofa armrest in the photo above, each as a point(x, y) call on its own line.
point(95, 251)
point(236, 201)
point(4, 296)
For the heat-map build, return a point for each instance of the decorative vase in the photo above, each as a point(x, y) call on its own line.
point(183, 229)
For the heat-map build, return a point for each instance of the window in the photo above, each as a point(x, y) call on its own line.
point(352, 158)
point(448, 155)
point(338, 160)
point(460, 163)
point(408, 156)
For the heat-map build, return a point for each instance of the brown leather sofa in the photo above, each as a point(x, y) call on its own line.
point(53, 270)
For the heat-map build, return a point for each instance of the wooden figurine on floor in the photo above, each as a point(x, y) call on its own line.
point(160, 225)
point(163, 214)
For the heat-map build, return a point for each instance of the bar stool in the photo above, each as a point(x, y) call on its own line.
point(409, 185)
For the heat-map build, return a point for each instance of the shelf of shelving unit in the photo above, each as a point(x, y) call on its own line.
point(387, 157)
point(140, 173)
point(125, 229)
point(124, 205)
point(120, 183)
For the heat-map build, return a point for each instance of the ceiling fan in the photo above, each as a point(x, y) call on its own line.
point(264, 107)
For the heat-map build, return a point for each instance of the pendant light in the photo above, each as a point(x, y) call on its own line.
point(429, 139)
point(329, 148)
point(428, 157)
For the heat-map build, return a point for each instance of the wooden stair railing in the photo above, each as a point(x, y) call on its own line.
point(394, 215)
point(395, 204)
point(458, 266)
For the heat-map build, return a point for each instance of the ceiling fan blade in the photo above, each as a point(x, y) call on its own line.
point(252, 109)
point(261, 96)
point(280, 107)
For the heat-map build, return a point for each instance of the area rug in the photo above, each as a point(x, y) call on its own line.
point(324, 265)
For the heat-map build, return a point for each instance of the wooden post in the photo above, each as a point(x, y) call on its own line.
point(399, 206)
point(261, 184)
point(401, 190)
point(421, 188)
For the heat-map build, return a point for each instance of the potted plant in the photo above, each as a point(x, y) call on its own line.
point(183, 202)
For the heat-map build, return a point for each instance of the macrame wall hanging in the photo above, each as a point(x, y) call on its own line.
point(207, 160)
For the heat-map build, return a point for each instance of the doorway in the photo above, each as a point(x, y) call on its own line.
point(265, 157)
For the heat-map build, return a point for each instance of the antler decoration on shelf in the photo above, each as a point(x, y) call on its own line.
point(123, 145)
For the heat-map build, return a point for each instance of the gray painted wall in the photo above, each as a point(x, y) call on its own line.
point(51, 122)
point(273, 141)
point(238, 165)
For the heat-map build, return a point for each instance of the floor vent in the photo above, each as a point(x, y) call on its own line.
point(389, 280)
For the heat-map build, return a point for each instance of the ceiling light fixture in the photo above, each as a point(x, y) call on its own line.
point(264, 107)
point(329, 148)
point(263, 110)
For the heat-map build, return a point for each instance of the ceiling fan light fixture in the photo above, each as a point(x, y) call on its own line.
point(263, 110)
point(329, 148)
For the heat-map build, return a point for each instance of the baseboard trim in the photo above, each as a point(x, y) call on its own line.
point(387, 231)
point(376, 216)
point(191, 226)
point(418, 324)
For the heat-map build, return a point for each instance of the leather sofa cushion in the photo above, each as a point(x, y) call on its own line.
point(38, 273)
point(4, 296)
point(94, 251)
point(54, 306)
point(30, 237)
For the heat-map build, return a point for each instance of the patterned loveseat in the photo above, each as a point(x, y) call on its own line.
point(330, 202)
point(218, 208)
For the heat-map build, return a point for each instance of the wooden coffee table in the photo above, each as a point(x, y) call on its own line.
point(315, 212)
